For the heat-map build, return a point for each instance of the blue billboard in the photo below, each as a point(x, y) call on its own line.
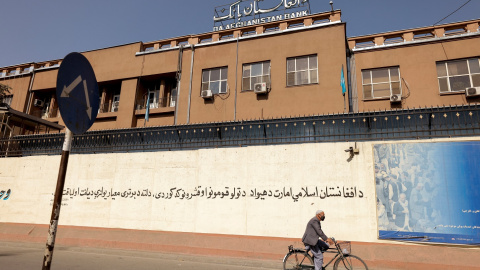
point(428, 192)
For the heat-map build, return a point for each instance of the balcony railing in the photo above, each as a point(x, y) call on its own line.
point(109, 107)
point(160, 103)
point(442, 122)
point(45, 114)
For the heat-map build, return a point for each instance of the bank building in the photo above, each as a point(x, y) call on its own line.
point(247, 131)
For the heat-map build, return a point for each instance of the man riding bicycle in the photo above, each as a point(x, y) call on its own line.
point(311, 239)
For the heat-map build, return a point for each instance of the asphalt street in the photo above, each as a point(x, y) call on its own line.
point(27, 256)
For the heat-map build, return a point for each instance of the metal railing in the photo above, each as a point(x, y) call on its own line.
point(108, 107)
point(160, 103)
point(385, 125)
point(45, 114)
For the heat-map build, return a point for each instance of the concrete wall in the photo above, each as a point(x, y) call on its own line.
point(177, 202)
point(235, 191)
point(246, 172)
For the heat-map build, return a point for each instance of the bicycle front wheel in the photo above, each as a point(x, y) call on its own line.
point(297, 260)
point(349, 262)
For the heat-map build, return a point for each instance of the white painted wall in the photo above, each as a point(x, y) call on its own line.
point(32, 181)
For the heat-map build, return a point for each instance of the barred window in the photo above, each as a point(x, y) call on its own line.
point(457, 75)
point(215, 79)
point(381, 82)
point(302, 70)
point(255, 73)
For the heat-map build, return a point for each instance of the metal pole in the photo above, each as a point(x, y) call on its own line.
point(191, 80)
point(52, 231)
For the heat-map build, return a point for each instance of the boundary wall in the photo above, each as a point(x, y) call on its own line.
point(241, 201)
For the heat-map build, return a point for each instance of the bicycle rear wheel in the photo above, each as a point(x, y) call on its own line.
point(298, 260)
point(349, 262)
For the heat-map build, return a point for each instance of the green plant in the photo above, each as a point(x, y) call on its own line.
point(4, 90)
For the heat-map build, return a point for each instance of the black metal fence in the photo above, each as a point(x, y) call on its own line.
point(384, 125)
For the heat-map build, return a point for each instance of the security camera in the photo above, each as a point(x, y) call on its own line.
point(349, 150)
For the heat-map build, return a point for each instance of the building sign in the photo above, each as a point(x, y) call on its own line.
point(252, 12)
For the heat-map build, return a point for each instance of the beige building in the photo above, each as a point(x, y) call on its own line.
point(246, 187)
point(421, 67)
point(212, 77)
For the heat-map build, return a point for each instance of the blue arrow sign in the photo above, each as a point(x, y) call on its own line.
point(77, 93)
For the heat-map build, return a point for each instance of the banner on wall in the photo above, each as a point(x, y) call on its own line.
point(428, 192)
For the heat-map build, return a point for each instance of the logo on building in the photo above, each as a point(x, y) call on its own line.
point(252, 12)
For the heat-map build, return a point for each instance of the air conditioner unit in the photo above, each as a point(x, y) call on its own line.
point(206, 94)
point(115, 106)
point(260, 88)
point(38, 103)
point(395, 98)
point(472, 92)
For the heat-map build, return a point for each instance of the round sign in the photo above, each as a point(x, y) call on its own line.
point(77, 93)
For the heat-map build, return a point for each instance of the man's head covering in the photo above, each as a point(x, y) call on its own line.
point(318, 212)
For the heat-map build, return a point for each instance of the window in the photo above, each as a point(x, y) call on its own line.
point(255, 73)
point(173, 97)
point(457, 75)
point(115, 103)
point(302, 70)
point(215, 79)
point(152, 94)
point(381, 82)
point(7, 99)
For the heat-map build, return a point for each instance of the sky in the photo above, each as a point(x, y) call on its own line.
point(43, 30)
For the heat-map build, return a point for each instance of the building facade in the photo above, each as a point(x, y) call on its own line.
point(421, 67)
point(299, 61)
point(249, 133)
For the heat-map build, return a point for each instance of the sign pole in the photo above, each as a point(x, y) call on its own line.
point(52, 231)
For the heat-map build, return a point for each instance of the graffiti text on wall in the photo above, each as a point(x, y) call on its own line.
point(213, 194)
point(5, 195)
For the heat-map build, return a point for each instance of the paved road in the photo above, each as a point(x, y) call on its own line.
point(27, 256)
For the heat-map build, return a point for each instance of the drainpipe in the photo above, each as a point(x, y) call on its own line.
point(236, 78)
point(191, 79)
point(30, 93)
point(179, 79)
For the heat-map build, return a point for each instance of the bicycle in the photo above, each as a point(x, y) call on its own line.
point(297, 258)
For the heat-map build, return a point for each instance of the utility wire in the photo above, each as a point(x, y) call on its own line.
point(453, 12)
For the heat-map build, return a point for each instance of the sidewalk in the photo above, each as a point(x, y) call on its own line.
point(21, 255)
point(14, 255)
point(265, 252)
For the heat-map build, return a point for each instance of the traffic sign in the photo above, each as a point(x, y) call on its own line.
point(77, 93)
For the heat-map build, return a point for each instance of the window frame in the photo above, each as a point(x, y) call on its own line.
point(448, 76)
point(220, 80)
point(259, 76)
point(308, 70)
point(370, 70)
